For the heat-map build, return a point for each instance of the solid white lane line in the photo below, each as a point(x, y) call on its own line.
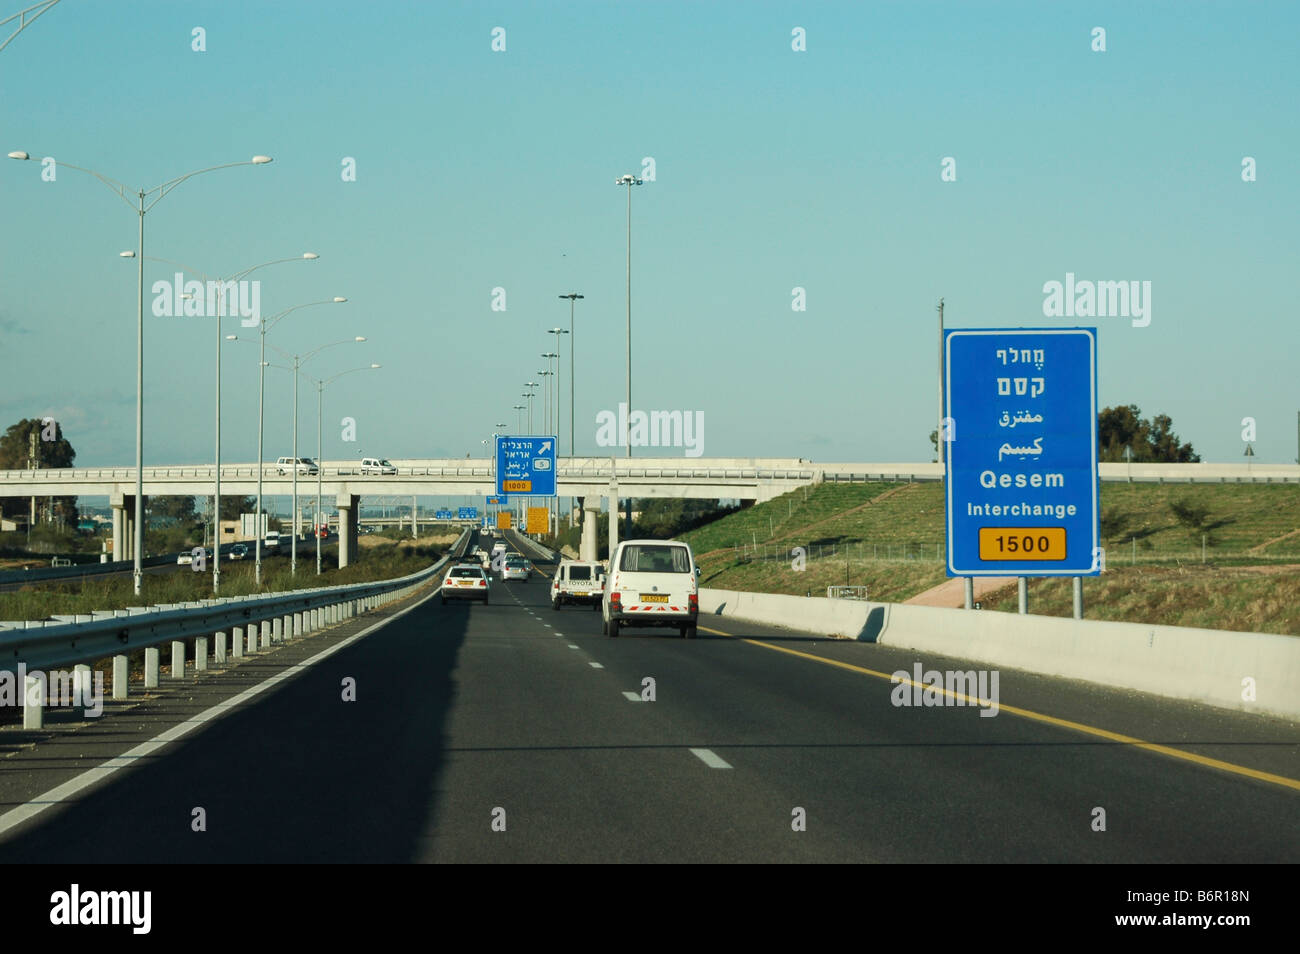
point(709, 759)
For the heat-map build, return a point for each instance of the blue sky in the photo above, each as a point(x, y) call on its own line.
point(774, 169)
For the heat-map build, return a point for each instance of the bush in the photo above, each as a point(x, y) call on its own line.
point(1191, 515)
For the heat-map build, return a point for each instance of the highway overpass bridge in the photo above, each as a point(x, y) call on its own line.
point(589, 478)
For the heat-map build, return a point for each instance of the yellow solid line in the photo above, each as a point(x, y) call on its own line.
point(1041, 717)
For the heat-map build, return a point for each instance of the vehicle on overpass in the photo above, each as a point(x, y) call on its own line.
point(306, 467)
point(465, 582)
point(651, 583)
point(377, 465)
point(578, 582)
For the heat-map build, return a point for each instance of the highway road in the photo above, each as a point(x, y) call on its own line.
point(513, 713)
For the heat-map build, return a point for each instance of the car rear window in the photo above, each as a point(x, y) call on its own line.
point(580, 573)
point(467, 571)
point(656, 559)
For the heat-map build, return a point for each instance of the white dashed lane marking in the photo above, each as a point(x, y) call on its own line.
point(631, 697)
point(595, 665)
point(708, 758)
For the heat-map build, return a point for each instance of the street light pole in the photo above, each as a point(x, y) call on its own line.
point(297, 362)
point(222, 285)
point(320, 393)
point(265, 325)
point(141, 207)
point(573, 349)
point(629, 180)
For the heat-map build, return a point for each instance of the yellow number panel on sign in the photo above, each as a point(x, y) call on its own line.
point(516, 486)
point(1022, 543)
point(539, 520)
point(503, 520)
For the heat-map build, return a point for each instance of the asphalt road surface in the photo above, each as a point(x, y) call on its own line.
point(512, 732)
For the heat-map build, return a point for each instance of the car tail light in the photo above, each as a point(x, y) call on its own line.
point(616, 601)
point(482, 582)
point(695, 603)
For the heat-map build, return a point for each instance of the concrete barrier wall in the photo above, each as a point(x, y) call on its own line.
point(1200, 665)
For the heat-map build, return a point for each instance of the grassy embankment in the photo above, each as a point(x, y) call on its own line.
point(889, 538)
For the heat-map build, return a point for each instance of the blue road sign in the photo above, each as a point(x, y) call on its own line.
point(443, 515)
point(526, 465)
point(468, 513)
point(500, 500)
point(1021, 438)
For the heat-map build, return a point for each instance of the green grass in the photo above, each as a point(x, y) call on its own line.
point(1246, 523)
point(1210, 597)
point(890, 581)
point(386, 561)
point(1154, 569)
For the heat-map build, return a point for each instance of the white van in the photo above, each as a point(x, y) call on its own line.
point(304, 466)
point(377, 465)
point(272, 540)
point(651, 583)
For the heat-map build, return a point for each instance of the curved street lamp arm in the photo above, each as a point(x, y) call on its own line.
point(170, 184)
point(23, 21)
point(268, 322)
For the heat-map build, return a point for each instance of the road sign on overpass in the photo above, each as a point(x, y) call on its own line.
point(443, 515)
point(526, 465)
point(468, 513)
point(1021, 432)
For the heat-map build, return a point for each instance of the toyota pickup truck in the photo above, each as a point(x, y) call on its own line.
point(578, 582)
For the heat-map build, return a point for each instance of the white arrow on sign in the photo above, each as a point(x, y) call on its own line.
point(546, 445)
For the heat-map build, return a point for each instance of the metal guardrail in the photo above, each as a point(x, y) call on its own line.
point(68, 641)
point(529, 543)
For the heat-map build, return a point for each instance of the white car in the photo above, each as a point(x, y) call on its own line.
point(465, 581)
point(578, 582)
point(305, 466)
point(515, 567)
point(377, 465)
point(651, 583)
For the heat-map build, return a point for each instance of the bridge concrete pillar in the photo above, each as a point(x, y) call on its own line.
point(588, 548)
point(119, 531)
point(128, 531)
point(349, 508)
